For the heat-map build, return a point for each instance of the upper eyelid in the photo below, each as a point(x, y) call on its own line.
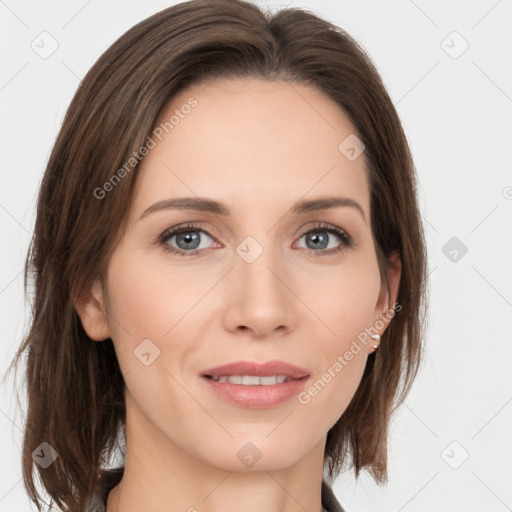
point(188, 226)
point(195, 226)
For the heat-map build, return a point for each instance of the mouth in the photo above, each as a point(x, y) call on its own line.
point(255, 385)
point(250, 373)
point(253, 380)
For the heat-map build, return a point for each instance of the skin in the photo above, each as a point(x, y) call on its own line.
point(258, 147)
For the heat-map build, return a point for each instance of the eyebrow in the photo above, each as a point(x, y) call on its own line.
point(203, 204)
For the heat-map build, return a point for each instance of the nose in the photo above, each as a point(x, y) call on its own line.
point(260, 298)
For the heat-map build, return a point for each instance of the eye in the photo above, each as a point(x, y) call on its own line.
point(187, 238)
point(320, 241)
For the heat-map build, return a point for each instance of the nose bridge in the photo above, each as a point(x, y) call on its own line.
point(256, 266)
point(260, 300)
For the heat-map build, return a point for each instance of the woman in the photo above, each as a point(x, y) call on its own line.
point(230, 270)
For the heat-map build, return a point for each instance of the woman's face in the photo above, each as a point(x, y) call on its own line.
point(264, 280)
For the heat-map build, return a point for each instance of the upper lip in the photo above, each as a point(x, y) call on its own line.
point(258, 369)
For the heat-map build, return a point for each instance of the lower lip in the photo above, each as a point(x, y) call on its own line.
point(257, 397)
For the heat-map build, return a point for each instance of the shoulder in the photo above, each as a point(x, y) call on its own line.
point(109, 478)
point(329, 501)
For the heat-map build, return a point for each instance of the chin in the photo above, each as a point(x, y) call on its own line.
point(255, 453)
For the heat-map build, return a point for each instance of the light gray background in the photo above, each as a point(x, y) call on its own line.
point(456, 109)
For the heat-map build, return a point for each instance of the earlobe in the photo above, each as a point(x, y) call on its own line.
point(90, 307)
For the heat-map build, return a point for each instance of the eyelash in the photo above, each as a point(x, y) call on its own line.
point(346, 240)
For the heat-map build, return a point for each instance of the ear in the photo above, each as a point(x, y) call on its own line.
point(91, 309)
point(384, 310)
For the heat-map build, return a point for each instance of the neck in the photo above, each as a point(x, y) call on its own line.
point(161, 476)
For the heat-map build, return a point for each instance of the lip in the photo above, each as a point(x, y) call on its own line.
point(257, 397)
point(266, 369)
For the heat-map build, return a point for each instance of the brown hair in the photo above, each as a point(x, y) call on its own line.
point(75, 387)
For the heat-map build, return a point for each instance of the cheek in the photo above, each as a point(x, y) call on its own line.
point(146, 299)
point(342, 361)
point(149, 325)
point(150, 299)
point(344, 299)
point(347, 308)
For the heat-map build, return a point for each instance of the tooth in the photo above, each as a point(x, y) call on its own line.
point(253, 380)
point(250, 380)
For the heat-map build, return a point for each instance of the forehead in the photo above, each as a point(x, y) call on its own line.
point(251, 142)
